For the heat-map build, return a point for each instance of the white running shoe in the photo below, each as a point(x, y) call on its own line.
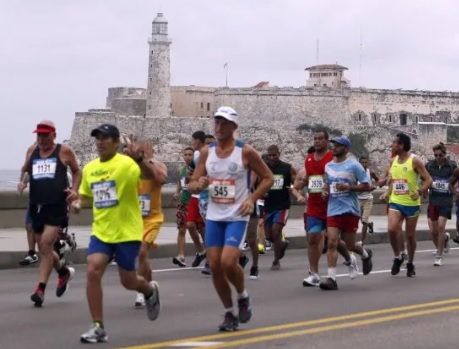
point(438, 261)
point(312, 280)
point(447, 238)
point(139, 300)
point(353, 267)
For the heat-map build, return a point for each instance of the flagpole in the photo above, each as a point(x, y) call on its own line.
point(226, 74)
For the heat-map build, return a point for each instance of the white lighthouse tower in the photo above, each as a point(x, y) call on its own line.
point(159, 75)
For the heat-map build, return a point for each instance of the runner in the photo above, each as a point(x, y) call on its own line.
point(405, 199)
point(47, 162)
point(277, 203)
point(111, 183)
point(440, 200)
point(224, 168)
point(344, 178)
point(366, 199)
point(154, 177)
point(183, 196)
point(454, 188)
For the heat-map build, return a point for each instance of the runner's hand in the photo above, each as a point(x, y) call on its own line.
point(71, 194)
point(21, 187)
point(246, 207)
point(325, 195)
point(75, 206)
point(175, 196)
point(203, 183)
point(133, 149)
point(301, 199)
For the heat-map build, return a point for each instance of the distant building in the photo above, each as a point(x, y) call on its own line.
point(327, 75)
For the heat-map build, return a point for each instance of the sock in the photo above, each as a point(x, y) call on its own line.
point(181, 256)
point(63, 271)
point(99, 324)
point(229, 310)
point(399, 256)
point(31, 253)
point(244, 294)
point(347, 262)
point(332, 273)
point(42, 286)
point(364, 254)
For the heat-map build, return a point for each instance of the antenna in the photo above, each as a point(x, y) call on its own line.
point(361, 55)
point(317, 52)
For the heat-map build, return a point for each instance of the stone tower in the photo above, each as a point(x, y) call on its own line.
point(159, 75)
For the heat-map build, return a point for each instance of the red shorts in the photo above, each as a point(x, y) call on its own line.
point(347, 223)
point(193, 214)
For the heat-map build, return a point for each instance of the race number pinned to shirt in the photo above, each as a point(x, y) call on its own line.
point(278, 182)
point(400, 186)
point(145, 203)
point(104, 194)
point(222, 191)
point(440, 185)
point(315, 184)
point(335, 191)
point(183, 184)
point(44, 168)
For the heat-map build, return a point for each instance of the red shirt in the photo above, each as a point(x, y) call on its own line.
point(317, 207)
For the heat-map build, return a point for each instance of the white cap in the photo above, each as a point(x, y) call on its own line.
point(228, 113)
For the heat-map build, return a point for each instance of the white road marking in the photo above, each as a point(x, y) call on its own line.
point(195, 344)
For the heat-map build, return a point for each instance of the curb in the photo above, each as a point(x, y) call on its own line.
point(10, 259)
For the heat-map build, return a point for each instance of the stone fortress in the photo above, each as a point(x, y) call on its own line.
point(168, 115)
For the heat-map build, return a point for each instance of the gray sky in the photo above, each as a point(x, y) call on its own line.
point(58, 57)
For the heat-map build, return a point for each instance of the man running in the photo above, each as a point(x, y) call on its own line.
point(154, 177)
point(111, 183)
point(47, 163)
point(344, 178)
point(225, 168)
point(366, 199)
point(277, 203)
point(183, 196)
point(440, 200)
point(405, 199)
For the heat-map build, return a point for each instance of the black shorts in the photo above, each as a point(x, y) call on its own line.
point(54, 215)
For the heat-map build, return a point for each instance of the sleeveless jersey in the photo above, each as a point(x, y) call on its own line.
point(48, 178)
point(404, 182)
point(315, 170)
point(278, 197)
point(150, 200)
point(366, 195)
point(229, 184)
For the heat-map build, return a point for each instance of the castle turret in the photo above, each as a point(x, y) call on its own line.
point(159, 75)
point(327, 75)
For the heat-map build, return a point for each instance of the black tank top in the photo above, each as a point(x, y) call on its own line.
point(278, 197)
point(48, 178)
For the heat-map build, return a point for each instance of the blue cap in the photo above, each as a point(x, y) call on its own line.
point(343, 140)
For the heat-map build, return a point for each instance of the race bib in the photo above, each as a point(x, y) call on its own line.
point(145, 204)
point(44, 168)
point(278, 182)
point(222, 191)
point(183, 184)
point(315, 184)
point(104, 194)
point(335, 192)
point(400, 187)
point(441, 186)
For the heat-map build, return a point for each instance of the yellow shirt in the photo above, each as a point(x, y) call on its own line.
point(150, 200)
point(404, 183)
point(113, 187)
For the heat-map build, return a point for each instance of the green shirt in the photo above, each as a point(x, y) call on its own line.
point(184, 193)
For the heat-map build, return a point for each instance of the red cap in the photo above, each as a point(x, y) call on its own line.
point(45, 126)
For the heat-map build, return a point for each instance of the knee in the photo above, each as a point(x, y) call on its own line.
point(94, 273)
point(182, 231)
point(313, 238)
point(128, 283)
point(227, 265)
point(191, 226)
point(143, 254)
point(45, 247)
point(333, 242)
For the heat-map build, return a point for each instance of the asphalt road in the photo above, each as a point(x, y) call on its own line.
point(378, 310)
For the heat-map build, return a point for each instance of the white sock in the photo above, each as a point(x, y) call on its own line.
point(229, 310)
point(364, 254)
point(332, 273)
point(399, 256)
point(244, 294)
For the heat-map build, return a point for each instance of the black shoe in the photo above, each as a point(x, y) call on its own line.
point(206, 270)
point(230, 323)
point(456, 239)
point(284, 248)
point(325, 249)
point(199, 258)
point(328, 285)
point(243, 260)
point(254, 273)
point(245, 311)
point(367, 264)
point(396, 266)
point(38, 297)
point(29, 259)
point(410, 271)
point(180, 261)
point(370, 228)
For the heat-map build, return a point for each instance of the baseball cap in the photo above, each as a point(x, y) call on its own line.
point(228, 113)
point(107, 130)
point(45, 126)
point(343, 140)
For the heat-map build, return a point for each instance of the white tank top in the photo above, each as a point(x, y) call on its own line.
point(229, 183)
point(366, 195)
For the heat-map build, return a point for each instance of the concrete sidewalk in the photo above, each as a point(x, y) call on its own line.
point(13, 244)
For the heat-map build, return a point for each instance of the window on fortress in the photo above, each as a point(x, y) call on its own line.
point(335, 74)
point(403, 119)
point(390, 118)
point(360, 117)
point(202, 105)
point(375, 118)
point(208, 106)
point(417, 119)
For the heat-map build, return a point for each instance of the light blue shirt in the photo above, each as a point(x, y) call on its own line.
point(204, 194)
point(344, 201)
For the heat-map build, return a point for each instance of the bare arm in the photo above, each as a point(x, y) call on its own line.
point(299, 183)
point(69, 159)
point(453, 180)
point(254, 162)
point(374, 176)
point(155, 170)
point(198, 180)
point(23, 178)
point(421, 170)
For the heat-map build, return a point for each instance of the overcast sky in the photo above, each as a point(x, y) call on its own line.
point(58, 57)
